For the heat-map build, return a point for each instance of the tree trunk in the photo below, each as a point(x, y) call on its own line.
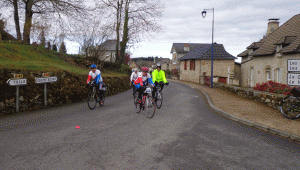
point(28, 21)
point(16, 17)
point(119, 15)
point(125, 34)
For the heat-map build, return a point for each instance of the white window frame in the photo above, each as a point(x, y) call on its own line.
point(268, 75)
point(251, 77)
point(279, 47)
point(278, 75)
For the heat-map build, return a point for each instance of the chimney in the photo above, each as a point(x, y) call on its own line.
point(272, 25)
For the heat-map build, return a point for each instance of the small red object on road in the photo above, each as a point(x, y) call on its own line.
point(77, 127)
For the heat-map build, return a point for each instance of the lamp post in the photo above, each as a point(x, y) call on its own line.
point(212, 45)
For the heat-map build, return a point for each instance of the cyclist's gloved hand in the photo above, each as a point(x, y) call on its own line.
point(167, 83)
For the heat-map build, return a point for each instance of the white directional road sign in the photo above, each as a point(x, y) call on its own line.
point(42, 80)
point(293, 65)
point(293, 79)
point(17, 82)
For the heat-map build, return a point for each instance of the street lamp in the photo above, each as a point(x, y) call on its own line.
point(212, 45)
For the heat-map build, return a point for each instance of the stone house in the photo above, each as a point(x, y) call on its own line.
point(166, 64)
point(108, 50)
point(268, 58)
point(178, 50)
point(195, 66)
point(133, 65)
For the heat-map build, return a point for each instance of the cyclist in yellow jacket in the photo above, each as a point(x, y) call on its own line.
point(159, 78)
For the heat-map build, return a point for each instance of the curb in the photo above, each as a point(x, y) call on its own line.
point(247, 122)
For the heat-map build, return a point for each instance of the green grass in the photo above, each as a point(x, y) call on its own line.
point(25, 57)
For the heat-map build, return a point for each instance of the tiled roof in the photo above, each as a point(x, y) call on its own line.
point(109, 45)
point(179, 47)
point(286, 40)
point(255, 45)
point(288, 33)
point(203, 52)
point(243, 54)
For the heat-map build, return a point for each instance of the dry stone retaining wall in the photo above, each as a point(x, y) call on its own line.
point(270, 99)
point(68, 89)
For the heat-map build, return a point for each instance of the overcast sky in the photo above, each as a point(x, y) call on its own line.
point(238, 23)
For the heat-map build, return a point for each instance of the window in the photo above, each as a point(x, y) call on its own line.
point(192, 65)
point(185, 64)
point(279, 47)
point(268, 75)
point(250, 51)
point(278, 73)
point(252, 77)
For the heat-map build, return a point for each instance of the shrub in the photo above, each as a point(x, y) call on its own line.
point(274, 87)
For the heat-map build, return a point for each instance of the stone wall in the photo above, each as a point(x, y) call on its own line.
point(270, 99)
point(68, 89)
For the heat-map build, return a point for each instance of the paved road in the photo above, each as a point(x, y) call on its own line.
point(184, 134)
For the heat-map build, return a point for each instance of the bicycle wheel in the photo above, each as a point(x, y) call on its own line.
point(103, 100)
point(92, 100)
point(290, 107)
point(137, 106)
point(150, 107)
point(159, 99)
point(135, 96)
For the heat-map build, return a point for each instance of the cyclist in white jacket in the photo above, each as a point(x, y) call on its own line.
point(133, 77)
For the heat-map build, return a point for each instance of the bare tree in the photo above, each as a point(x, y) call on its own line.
point(67, 8)
point(15, 5)
point(17, 20)
point(117, 6)
point(137, 19)
point(92, 38)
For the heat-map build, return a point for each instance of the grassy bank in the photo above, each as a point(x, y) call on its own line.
point(40, 59)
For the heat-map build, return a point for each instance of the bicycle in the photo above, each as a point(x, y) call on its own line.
point(94, 96)
point(290, 105)
point(158, 97)
point(147, 103)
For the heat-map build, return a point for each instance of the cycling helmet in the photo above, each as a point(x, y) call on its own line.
point(146, 69)
point(93, 66)
point(158, 65)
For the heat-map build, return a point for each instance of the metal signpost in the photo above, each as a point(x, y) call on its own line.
point(17, 81)
point(44, 80)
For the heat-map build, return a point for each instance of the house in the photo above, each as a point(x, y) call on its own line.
point(178, 50)
point(133, 65)
point(195, 66)
point(166, 64)
point(108, 50)
point(268, 58)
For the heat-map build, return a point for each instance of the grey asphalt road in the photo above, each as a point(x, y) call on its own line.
point(184, 134)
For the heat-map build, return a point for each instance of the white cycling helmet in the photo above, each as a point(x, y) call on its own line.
point(135, 69)
point(158, 65)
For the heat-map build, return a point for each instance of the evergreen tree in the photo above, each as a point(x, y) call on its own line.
point(62, 48)
point(54, 47)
